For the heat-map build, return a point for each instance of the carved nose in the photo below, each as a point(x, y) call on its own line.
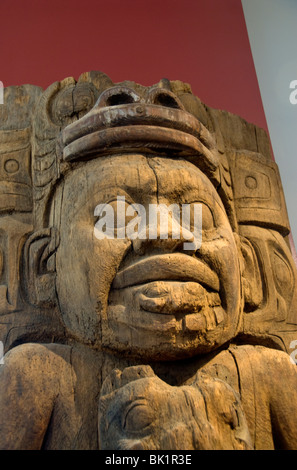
point(116, 96)
point(168, 237)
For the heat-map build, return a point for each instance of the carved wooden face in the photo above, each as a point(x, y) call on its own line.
point(95, 141)
point(146, 297)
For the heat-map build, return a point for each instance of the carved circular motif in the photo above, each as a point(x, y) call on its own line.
point(251, 182)
point(11, 166)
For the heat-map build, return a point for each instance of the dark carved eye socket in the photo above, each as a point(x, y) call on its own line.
point(164, 99)
point(116, 96)
point(119, 98)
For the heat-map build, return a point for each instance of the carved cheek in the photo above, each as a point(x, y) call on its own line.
point(103, 260)
point(221, 255)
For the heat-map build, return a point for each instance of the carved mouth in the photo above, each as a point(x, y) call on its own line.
point(173, 267)
point(138, 127)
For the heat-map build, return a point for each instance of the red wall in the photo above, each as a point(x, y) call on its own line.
point(202, 42)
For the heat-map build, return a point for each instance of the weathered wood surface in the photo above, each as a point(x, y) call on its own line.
point(139, 343)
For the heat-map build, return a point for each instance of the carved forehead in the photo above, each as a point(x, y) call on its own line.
point(139, 179)
point(100, 180)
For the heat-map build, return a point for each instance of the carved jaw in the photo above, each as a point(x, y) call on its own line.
point(122, 122)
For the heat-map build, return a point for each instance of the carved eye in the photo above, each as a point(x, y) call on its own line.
point(207, 218)
point(121, 219)
point(113, 219)
point(198, 213)
point(104, 226)
point(138, 417)
point(282, 273)
point(120, 210)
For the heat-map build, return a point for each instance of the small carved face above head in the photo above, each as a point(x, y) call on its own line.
point(142, 296)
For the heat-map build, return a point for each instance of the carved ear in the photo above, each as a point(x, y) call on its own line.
point(39, 264)
point(251, 277)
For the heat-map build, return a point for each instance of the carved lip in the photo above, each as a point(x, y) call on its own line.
point(173, 266)
point(137, 126)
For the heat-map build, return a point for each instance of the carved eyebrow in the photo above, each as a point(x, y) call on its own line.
point(186, 193)
point(125, 408)
point(138, 401)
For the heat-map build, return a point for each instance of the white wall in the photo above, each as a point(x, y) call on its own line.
point(272, 29)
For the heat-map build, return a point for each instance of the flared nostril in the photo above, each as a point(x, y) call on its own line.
point(116, 96)
point(163, 97)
